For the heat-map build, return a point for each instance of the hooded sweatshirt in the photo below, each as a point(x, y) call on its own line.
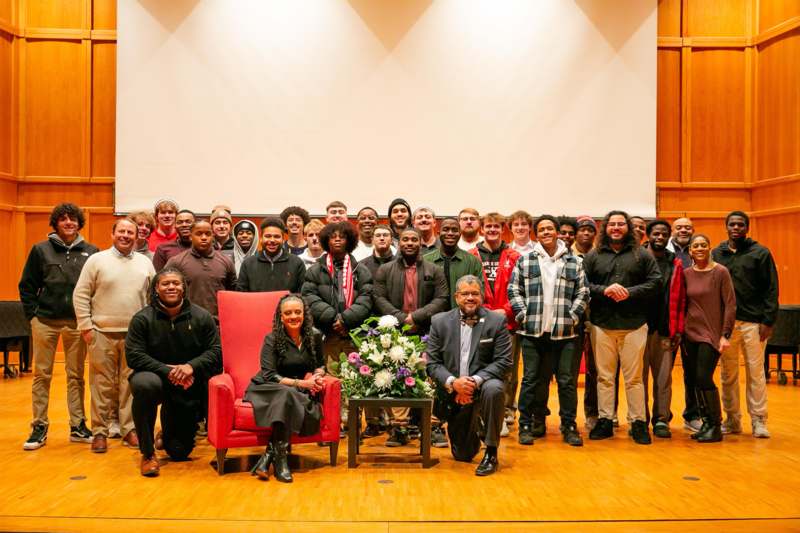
point(550, 266)
point(239, 254)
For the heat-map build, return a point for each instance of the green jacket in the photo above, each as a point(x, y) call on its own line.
point(461, 264)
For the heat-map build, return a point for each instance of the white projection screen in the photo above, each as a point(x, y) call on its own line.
point(543, 105)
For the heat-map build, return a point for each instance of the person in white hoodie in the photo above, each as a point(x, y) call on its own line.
point(548, 294)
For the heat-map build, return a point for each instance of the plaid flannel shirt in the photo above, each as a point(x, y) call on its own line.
point(570, 300)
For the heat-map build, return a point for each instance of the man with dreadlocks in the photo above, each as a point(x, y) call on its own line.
point(173, 349)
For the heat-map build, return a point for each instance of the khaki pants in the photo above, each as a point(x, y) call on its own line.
point(45, 335)
point(626, 348)
point(745, 339)
point(107, 368)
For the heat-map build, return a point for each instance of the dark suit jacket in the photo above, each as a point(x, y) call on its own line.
point(432, 294)
point(490, 350)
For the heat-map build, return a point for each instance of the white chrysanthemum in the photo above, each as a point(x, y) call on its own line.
point(397, 354)
point(414, 360)
point(364, 349)
point(386, 340)
point(383, 379)
point(376, 357)
point(387, 321)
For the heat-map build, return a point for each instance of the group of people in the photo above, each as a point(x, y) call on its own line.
point(622, 294)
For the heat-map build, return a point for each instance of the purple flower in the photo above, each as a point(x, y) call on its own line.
point(424, 338)
point(373, 333)
point(403, 372)
point(365, 370)
point(353, 358)
point(410, 382)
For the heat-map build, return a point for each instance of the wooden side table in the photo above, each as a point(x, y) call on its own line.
point(354, 432)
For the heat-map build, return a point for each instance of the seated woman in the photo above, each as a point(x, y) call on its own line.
point(282, 397)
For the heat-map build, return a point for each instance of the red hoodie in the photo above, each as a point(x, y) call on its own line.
point(498, 298)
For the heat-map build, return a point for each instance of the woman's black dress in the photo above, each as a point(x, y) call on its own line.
point(273, 402)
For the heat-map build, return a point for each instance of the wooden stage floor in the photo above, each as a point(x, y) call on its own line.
point(741, 484)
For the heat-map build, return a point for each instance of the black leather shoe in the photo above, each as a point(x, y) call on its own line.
point(604, 429)
point(261, 469)
point(539, 429)
point(639, 432)
point(571, 436)
point(488, 466)
point(281, 461)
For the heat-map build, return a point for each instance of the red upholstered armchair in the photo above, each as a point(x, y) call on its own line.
point(245, 319)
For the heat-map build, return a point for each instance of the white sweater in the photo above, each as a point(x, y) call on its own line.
point(111, 289)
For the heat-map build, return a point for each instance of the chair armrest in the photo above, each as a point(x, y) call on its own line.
point(220, 407)
point(331, 400)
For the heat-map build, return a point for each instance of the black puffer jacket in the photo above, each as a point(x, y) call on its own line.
point(50, 275)
point(155, 341)
point(322, 296)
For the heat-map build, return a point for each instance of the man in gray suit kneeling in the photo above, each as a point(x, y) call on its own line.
point(469, 354)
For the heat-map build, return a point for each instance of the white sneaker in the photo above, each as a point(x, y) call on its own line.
point(731, 426)
point(113, 430)
point(760, 430)
point(504, 429)
point(510, 417)
point(693, 426)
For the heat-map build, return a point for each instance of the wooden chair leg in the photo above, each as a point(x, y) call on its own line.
point(334, 452)
point(221, 453)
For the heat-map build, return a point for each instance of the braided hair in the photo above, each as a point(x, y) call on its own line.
point(153, 298)
point(306, 331)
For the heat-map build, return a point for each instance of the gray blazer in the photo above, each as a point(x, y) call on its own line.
point(490, 350)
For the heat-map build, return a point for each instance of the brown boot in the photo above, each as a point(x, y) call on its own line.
point(131, 440)
point(99, 444)
point(149, 466)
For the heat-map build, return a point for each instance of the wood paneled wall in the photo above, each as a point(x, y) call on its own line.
point(728, 120)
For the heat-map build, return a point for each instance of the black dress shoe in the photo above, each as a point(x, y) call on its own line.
point(372, 430)
point(488, 465)
point(525, 435)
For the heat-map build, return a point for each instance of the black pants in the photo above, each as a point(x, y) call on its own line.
point(703, 359)
point(689, 362)
point(541, 358)
point(180, 410)
point(463, 421)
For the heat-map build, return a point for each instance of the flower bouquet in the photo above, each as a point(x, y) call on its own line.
point(388, 364)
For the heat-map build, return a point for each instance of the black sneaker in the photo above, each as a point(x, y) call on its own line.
point(539, 429)
point(372, 430)
point(398, 437)
point(80, 433)
point(37, 439)
point(438, 438)
point(639, 432)
point(661, 430)
point(413, 432)
point(525, 435)
point(571, 435)
point(604, 429)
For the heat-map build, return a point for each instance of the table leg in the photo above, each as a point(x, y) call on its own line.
point(425, 437)
point(352, 434)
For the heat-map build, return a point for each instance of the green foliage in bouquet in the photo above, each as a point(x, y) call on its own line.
point(388, 362)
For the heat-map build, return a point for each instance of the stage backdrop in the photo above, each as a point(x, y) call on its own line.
point(547, 105)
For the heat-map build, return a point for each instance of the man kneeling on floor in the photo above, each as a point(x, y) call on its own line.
point(469, 355)
point(173, 349)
